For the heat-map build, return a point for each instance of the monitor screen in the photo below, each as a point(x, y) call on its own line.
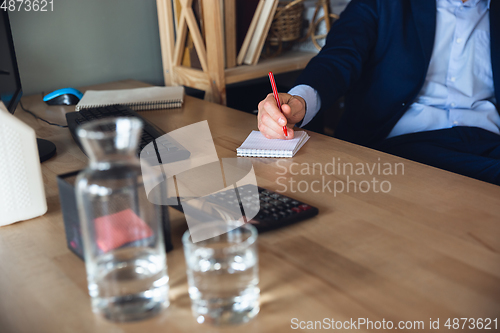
point(10, 82)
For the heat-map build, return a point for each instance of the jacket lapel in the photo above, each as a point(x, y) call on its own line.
point(424, 16)
point(495, 47)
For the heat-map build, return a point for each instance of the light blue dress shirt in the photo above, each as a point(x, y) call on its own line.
point(458, 90)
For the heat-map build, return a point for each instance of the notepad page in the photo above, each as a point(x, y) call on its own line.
point(258, 145)
point(301, 142)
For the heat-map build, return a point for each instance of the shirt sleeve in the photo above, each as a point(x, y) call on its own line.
point(313, 101)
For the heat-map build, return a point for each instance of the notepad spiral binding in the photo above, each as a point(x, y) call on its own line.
point(140, 106)
point(264, 153)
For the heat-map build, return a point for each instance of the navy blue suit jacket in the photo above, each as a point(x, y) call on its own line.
point(377, 55)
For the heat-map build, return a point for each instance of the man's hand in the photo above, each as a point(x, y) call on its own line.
point(271, 120)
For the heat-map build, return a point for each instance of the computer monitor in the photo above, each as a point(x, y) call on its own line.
point(10, 81)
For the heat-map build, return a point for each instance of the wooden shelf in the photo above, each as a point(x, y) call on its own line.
point(287, 62)
point(213, 77)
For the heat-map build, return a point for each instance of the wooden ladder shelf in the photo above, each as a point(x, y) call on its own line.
point(213, 76)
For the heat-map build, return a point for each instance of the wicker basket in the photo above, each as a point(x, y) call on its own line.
point(287, 22)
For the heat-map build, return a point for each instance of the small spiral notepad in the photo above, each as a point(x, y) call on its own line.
point(139, 99)
point(257, 145)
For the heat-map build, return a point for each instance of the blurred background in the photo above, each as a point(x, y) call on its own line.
point(95, 41)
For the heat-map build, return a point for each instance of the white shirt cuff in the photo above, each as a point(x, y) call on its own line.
point(313, 101)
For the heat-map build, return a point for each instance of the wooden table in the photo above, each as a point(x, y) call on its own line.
point(429, 248)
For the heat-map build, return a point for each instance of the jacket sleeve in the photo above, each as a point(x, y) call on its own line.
point(348, 45)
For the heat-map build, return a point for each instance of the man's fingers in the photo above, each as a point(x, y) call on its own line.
point(287, 110)
point(271, 133)
point(294, 110)
point(271, 119)
point(270, 123)
point(291, 133)
point(271, 107)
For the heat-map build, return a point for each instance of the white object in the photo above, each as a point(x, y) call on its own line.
point(149, 98)
point(261, 31)
point(257, 145)
point(22, 195)
point(250, 31)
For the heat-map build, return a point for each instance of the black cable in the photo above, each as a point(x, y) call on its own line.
point(36, 117)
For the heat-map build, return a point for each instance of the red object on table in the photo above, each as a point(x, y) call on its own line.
point(118, 229)
point(277, 97)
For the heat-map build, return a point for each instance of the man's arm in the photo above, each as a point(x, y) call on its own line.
point(340, 62)
point(336, 67)
point(312, 100)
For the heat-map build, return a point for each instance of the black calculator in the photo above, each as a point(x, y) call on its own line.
point(276, 210)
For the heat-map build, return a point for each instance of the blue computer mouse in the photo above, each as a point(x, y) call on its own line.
point(66, 96)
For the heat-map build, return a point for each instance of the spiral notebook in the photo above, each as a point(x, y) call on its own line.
point(257, 145)
point(149, 98)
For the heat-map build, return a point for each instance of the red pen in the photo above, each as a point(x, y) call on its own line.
point(276, 97)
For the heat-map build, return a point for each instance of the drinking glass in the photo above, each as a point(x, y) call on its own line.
point(223, 273)
point(122, 236)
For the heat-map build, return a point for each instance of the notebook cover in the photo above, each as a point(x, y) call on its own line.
point(148, 98)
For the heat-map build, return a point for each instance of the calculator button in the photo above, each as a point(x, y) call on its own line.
point(252, 207)
point(274, 210)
